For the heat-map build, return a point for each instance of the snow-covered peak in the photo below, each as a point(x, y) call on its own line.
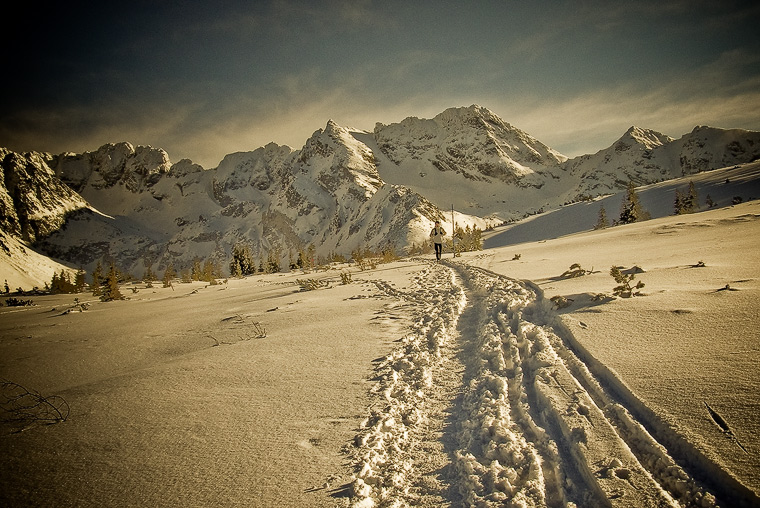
point(112, 164)
point(334, 156)
point(471, 141)
point(184, 167)
point(641, 138)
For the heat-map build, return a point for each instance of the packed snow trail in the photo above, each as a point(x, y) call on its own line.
point(483, 404)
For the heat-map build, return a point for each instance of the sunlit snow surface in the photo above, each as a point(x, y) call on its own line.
point(417, 384)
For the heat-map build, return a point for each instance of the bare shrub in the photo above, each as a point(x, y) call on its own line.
point(22, 408)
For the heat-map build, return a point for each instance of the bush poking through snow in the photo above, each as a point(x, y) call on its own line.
point(22, 408)
point(311, 284)
point(624, 280)
point(78, 306)
point(575, 271)
point(560, 302)
point(345, 278)
point(18, 302)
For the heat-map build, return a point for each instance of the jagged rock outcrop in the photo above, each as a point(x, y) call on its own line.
point(33, 201)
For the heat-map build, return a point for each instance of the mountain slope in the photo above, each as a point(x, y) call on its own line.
point(495, 168)
point(33, 201)
point(343, 189)
point(147, 212)
point(645, 156)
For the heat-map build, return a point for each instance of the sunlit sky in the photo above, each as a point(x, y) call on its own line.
point(204, 79)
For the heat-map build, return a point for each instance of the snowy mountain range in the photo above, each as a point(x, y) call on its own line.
point(343, 189)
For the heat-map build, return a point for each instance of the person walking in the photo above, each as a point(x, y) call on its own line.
point(437, 235)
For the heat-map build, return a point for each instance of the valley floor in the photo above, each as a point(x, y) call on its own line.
point(423, 384)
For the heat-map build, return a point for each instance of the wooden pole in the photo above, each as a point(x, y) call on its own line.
point(453, 230)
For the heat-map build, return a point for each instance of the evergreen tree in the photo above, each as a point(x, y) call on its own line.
point(692, 200)
point(631, 210)
point(79, 281)
point(310, 253)
point(687, 202)
point(273, 261)
point(242, 261)
point(169, 274)
point(678, 205)
point(602, 222)
point(61, 284)
point(196, 273)
point(7, 288)
point(185, 276)
point(149, 275)
point(209, 271)
point(111, 290)
point(97, 275)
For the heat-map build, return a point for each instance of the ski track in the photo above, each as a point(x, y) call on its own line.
point(483, 403)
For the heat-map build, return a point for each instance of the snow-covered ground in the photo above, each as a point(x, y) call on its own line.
point(422, 384)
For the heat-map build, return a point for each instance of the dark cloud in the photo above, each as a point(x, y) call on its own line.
point(202, 79)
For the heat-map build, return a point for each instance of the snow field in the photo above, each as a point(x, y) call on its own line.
point(594, 435)
point(531, 427)
point(404, 382)
point(649, 453)
point(501, 448)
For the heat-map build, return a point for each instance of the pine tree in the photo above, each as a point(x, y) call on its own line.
point(196, 273)
point(209, 271)
point(631, 210)
point(149, 275)
point(692, 200)
point(97, 275)
point(273, 261)
point(687, 202)
point(79, 281)
point(242, 261)
point(602, 221)
point(61, 283)
point(310, 253)
point(169, 274)
point(111, 291)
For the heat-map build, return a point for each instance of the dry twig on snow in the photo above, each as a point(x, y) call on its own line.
point(22, 407)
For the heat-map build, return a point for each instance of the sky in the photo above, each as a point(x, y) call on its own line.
point(204, 79)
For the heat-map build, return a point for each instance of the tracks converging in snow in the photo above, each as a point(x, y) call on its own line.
point(484, 403)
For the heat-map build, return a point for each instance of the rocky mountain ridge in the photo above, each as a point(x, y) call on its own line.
point(343, 189)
